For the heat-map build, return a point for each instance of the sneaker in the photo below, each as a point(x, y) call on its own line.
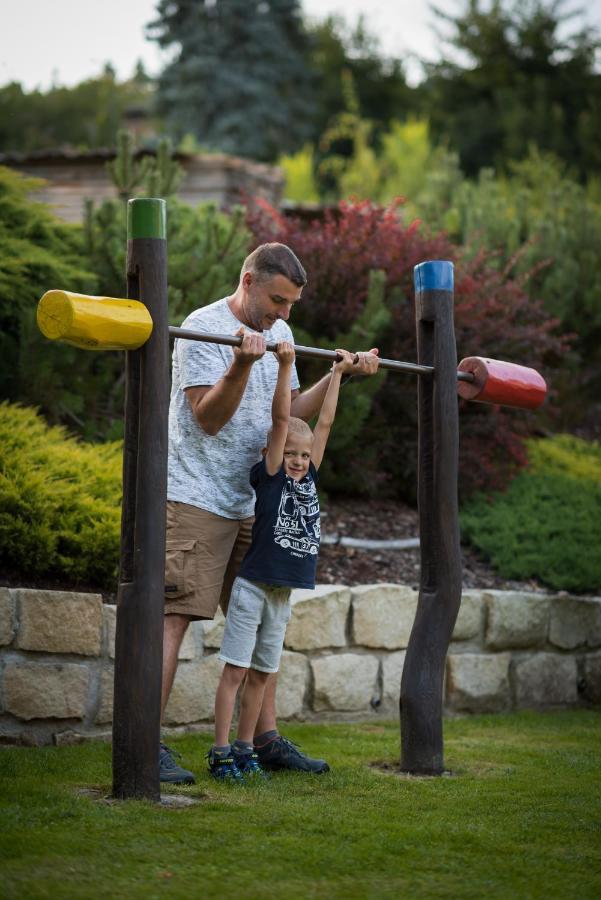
point(280, 753)
point(169, 771)
point(249, 765)
point(224, 768)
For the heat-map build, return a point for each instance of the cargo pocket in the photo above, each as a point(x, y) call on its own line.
point(180, 569)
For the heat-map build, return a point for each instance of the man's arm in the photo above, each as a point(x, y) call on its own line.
point(306, 405)
point(214, 405)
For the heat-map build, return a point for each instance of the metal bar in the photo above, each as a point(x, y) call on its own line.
point(393, 365)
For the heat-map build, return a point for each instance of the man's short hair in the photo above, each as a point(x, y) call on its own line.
point(275, 259)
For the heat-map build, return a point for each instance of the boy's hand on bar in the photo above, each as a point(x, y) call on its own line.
point(346, 364)
point(359, 363)
point(285, 353)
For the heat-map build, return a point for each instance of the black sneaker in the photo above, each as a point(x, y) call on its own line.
point(280, 753)
point(249, 765)
point(169, 771)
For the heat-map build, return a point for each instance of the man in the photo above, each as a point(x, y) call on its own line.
point(219, 415)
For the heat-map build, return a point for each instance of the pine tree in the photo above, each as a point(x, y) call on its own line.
point(240, 82)
point(520, 81)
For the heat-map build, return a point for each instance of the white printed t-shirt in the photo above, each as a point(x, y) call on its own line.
point(212, 472)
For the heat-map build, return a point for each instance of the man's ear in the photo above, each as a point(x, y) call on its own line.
point(247, 279)
point(264, 452)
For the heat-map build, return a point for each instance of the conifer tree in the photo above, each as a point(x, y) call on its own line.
point(240, 81)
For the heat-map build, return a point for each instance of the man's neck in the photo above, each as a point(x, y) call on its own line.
point(236, 305)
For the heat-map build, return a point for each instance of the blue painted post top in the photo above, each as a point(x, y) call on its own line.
point(434, 275)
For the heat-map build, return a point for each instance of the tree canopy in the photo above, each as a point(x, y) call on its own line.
point(240, 81)
point(517, 83)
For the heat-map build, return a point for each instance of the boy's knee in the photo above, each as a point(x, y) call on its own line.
point(257, 677)
point(234, 674)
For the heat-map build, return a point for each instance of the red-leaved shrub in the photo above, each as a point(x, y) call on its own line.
point(493, 317)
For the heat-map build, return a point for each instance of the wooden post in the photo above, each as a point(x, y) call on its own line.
point(140, 598)
point(440, 584)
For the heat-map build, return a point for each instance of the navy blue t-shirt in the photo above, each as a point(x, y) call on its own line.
point(286, 531)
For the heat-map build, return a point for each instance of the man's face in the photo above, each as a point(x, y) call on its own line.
point(297, 455)
point(269, 300)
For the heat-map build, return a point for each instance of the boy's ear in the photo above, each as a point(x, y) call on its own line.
point(264, 452)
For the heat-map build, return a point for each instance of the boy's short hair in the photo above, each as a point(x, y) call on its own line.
point(275, 259)
point(296, 426)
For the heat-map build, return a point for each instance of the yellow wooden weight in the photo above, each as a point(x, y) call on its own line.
point(93, 323)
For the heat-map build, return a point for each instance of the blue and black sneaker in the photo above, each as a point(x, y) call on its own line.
point(169, 771)
point(223, 768)
point(280, 753)
point(249, 765)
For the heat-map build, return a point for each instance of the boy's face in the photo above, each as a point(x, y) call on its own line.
point(297, 455)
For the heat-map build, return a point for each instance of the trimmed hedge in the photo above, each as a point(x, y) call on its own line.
point(547, 525)
point(60, 502)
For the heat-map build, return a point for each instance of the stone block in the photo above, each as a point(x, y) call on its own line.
point(293, 679)
point(212, 632)
point(105, 707)
point(383, 615)
point(7, 616)
point(109, 625)
point(592, 677)
point(478, 682)
point(35, 690)
point(59, 622)
point(392, 670)
point(109, 612)
point(515, 619)
point(546, 679)
point(193, 695)
point(469, 620)
point(344, 682)
point(575, 622)
point(319, 617)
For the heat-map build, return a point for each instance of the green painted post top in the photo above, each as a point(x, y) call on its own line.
point(146, 218)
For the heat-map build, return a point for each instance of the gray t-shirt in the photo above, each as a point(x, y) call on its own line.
point(213, 472)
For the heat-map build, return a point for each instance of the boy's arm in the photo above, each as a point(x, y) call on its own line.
point(280, 409)
point(328, 409)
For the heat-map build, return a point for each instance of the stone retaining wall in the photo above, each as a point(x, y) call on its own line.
point(344, 655)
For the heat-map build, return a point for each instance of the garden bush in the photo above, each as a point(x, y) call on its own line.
point(547, 525)
point(37, 253)
point(493, 317)
point(59, 503)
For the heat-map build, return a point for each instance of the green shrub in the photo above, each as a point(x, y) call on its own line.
point(59, 502)
point(547, 525)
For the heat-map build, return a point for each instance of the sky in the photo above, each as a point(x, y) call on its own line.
point(66, 41)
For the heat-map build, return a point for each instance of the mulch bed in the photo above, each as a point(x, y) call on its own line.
point(387, 520)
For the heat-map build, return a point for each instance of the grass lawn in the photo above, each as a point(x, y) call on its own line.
point(521, 817)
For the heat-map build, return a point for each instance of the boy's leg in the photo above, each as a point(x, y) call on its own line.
point(273, 750)
point(239, 635)
point(251, 701)
point(225, 699)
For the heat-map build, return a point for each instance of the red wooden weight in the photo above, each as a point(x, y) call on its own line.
point(506, 384)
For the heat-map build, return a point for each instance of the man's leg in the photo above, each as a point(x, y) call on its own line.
point(198, 548)
point(174, 629)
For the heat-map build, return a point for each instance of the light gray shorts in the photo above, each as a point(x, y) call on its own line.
point(255, 625)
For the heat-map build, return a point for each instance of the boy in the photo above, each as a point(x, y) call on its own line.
point(282, 555)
